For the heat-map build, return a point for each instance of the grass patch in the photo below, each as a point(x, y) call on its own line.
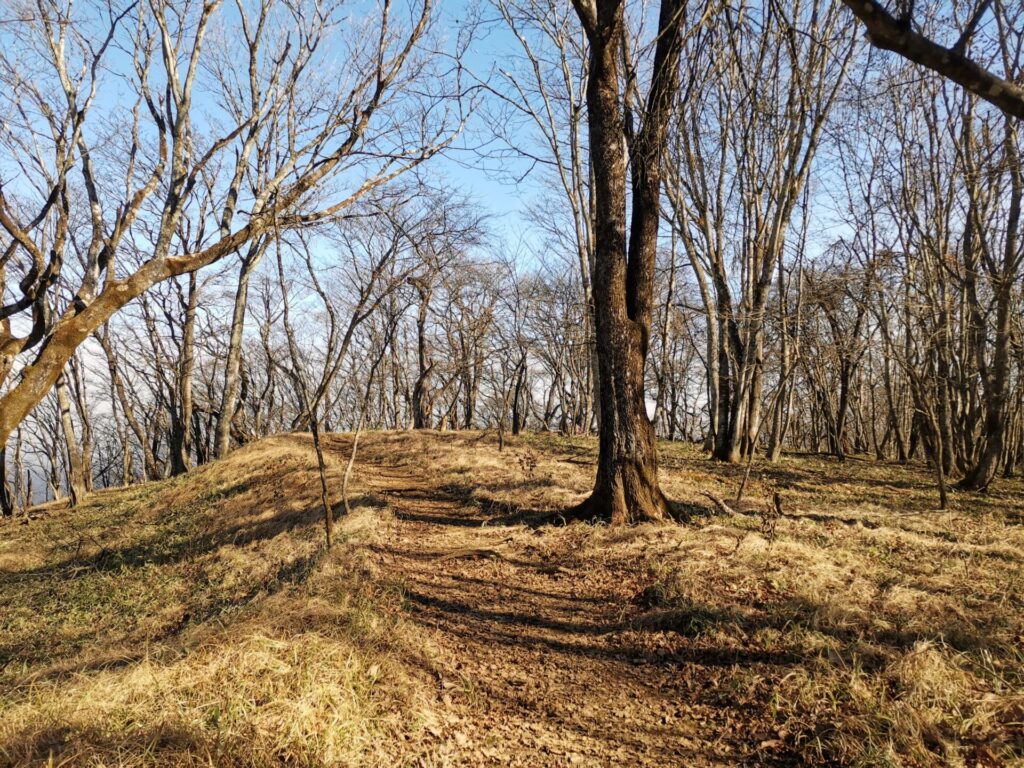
point(870, 629)
point(199, 621)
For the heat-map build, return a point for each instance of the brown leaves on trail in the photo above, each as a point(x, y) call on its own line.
point(541, 663)
point(776, 633)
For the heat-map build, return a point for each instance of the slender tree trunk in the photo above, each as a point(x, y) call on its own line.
point(181, 431)
point(229, 397)
point(714, 366)
point(518, 416)
point(22, 477)
point(76, 469)
point(6, 499)
point(149, 461)
point(663, 362)
point(80, 399)
point(308, 404)
point(420, 395)
point(752, 425)
point(996, 384)
point(776, 434)
point(727, 445)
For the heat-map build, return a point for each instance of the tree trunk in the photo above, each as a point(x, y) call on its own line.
point(150, 465)
point(181, 428)
point(76, 467)
point(996, 382)
point(518, 416)
point(6, 499)
point(420, 395)
point(626, 489)
point(229, 397)
point(79, 397)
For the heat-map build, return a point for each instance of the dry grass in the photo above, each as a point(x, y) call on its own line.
point(198, 621)
point(875, 629)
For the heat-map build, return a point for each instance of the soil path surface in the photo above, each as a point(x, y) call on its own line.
point(541, 667)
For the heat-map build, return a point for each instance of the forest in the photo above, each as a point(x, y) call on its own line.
point(682, 342)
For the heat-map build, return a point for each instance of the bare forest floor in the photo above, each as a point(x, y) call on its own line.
point(198, 621)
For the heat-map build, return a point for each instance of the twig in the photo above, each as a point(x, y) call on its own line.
point(724, 508)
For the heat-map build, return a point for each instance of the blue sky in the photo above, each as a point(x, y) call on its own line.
point(462, 166)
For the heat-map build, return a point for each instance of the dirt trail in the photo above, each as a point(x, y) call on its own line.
point(541, 668)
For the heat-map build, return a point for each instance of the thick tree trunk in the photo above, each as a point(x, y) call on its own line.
point(626, 489)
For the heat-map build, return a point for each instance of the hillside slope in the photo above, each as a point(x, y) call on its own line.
point(197, 621)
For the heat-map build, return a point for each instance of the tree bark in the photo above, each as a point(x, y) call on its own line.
point(996, 382)
point(420, 390)
point(229, 397)
point(6, 499)
point(76, 468)
point(181, 428)
point(518, 416)
point(626, 489)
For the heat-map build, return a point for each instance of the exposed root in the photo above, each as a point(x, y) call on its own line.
point(722, 507)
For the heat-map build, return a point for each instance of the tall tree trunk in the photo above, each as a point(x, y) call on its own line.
point(781, 401)
point(80, 400)
point(518, 415)
point(663, 362)
point(626, 488)
point(731, 402)
point(229, 397)
point(181, 428)
point(996, 379)
point(752, 426)
point(6, 499)
point(420, 394)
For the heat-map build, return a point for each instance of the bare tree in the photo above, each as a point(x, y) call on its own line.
point(141, 164)
point(897, 33)
point(624, 129)
point(737, 178)
point(539, 120)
